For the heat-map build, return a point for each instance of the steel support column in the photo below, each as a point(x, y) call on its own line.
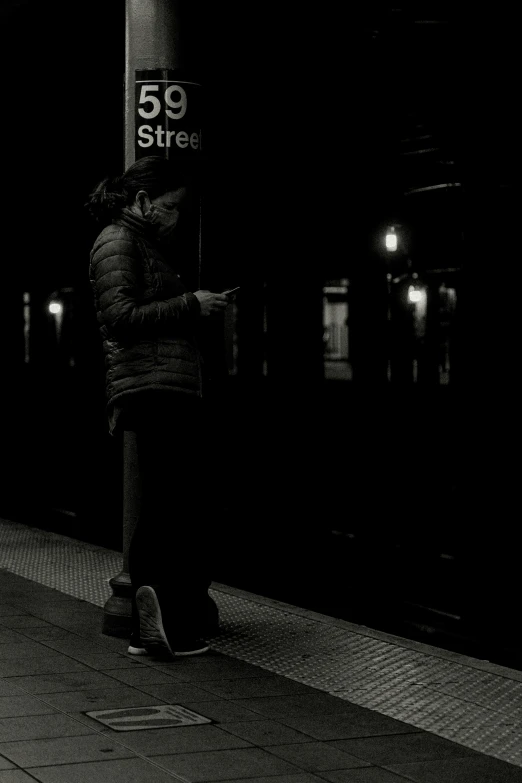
point(152, 41)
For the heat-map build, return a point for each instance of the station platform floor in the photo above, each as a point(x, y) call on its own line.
point(284, 696)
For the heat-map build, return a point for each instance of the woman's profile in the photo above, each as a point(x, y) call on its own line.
point(149, 322)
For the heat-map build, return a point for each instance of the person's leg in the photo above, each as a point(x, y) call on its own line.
point(169, 549)
point(186, 508)
point(142, 568)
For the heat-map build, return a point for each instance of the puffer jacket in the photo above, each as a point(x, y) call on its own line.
point(146, 316)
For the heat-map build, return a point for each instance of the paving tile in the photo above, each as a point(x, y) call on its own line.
point(79, 626)
point(85, 631)
point(63, 750)
point(330, 727)
point(15, 776)
point(103, 660)
point(178, 691)
point(321, 703)
point(59, 683)
point(109, 643)
point(30, 605)
point(221, 669)
point(117, 771)
point(41, 605)
point(176, 673)
point(56, 606)
point(50, 594)
point(9, 635)
point(266, 732)
point(8, 688)
point(5, 764)
point(74, 644)
point(49, 665)
point(23, 649)
point(13, 706)
point(19, 593)
point(38, 727)
point(301, 777)
point(80, 608)
point(7, 611)
point(144, 675)
point(94, 726)
point(185, 739)
point(248, 687)
point(311, 703)
point(472, 769)
point(100, 699)
point(222, 711)
point(44, 633)
point(315, 756)
point(402, 748)
point(23, 621)
point(24, 587)
point(76, 623)
point(241, 765)
point(202, 660)
point(66, 616)
point(364, 775)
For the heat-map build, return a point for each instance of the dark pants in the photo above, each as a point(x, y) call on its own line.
point(170, 546)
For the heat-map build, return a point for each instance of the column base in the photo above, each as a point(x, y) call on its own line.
point(118, 608)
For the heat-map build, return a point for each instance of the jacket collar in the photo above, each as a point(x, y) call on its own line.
point(136, 223)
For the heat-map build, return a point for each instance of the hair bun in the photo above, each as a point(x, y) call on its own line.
point(107, 199)
point(114, 184)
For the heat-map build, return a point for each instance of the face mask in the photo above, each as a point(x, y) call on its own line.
point(153, 215)
point(154, 209)
point(163, 227)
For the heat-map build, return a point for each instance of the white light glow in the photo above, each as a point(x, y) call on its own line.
point(414, 295)
point(56, 308)
point(391, 240)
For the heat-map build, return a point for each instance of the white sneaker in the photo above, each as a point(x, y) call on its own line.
point(191, 647)
point(152, 633)
point(132, 650)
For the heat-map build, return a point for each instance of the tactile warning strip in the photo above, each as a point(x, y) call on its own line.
point(68, 565)
point(471, 702)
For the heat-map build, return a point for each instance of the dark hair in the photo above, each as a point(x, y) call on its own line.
point(154, 174)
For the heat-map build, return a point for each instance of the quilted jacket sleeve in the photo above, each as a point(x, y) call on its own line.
point(117, 279)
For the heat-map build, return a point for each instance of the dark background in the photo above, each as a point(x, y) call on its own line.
point(348, 493)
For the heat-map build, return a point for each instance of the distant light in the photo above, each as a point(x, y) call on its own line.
point(391, 240)
point(56, 308)
point(335, 289)
point(414, 295)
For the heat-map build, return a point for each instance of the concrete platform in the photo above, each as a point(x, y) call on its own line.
point(292, 696)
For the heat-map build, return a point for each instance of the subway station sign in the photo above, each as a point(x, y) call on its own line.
point(168, 115)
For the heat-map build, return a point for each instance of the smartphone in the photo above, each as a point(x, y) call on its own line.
point(231, 291)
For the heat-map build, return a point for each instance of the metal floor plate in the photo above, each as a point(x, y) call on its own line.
point(472, 702)
point(162, 716)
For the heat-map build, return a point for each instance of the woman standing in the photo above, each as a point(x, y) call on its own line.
point(149, 321)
